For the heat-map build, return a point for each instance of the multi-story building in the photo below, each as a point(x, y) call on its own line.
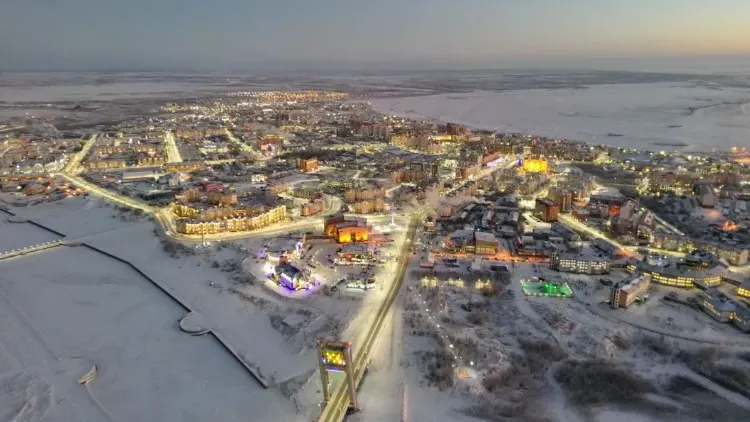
point(546, 210)
point(569, 235)
point(744, 289)
point(308, 165)
point(625, 292)
point(562, 197)
point(678, 275)
point(733, 254)
point(723, 309)
point(456, 129)
point(313, 207)
point(578, 264)
point(186, 166)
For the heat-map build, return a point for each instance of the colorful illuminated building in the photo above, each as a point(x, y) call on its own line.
point(535, 165)
point(290, 277)
point(346, 229)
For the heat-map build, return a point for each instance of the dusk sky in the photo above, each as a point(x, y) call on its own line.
point(141, 34)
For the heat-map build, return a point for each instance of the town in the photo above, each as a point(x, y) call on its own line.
point(326, 201)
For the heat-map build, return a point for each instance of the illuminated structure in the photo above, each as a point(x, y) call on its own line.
point(547, 288)
point(336, 356)
point(572, 263)
point(744, 289)
point(290, 277)
point(624, 293)
point(308, 165)
point(184, 166)
point(347, 229)
point(217, 212)
point(677, 274)
point(535, 165)
point(723, 309)
point(733, 254)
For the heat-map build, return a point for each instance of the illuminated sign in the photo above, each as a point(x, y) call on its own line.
point(333, 355)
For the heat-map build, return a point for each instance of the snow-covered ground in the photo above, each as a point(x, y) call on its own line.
point(21, 235)
point(67, 308)
point(500, 341)
point(645, 115)
point(270, 332)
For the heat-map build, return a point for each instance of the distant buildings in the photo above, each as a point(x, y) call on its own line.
point(456, 129)
point(625, 292)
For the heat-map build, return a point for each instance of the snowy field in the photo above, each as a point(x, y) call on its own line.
point(657, 116)
point(66, 308)
point(529, 359)
point(80, 216)
point(21, 235)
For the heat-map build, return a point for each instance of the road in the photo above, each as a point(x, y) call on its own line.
point(337, 406)
point(170, 144)
point(74, 165)
point(11, 128)
point(243, 146)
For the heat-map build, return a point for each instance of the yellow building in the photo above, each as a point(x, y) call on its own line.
point(224, 221)
point(535, 165)
point(744, 289)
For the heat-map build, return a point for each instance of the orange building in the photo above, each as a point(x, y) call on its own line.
point(308, 165)
point(347, 229)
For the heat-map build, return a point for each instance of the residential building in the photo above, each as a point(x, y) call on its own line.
point(625, 292)
point(744, 289)
point(578, 264)
point(546, 210)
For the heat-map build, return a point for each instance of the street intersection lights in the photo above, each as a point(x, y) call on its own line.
point(336, 356)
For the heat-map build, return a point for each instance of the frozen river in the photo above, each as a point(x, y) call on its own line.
point(656, 116)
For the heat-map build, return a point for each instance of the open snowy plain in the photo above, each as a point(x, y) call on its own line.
point(656, 116)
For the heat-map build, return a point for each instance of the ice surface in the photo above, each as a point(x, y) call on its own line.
point(657, 116)
point(73, 302)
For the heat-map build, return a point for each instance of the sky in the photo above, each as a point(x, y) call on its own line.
point(239, 34)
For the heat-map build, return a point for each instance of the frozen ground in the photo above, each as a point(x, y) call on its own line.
point(64, 309)
point(656, 116)
point(21, 235)
point(520, 347)
point(271, 332)
point(79, 216)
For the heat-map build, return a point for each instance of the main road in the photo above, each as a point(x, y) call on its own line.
point(337, 406)
point(170, 145)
